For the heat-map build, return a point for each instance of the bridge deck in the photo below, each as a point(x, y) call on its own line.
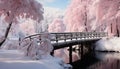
point(67, 43)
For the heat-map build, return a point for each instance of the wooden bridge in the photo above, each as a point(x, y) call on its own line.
point(69, 39)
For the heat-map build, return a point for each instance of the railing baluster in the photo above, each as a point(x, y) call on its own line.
point(64, 37)
point(40, 39)
point(71, 35)
point(76, 35)
point(19, 41)
point(56, 38)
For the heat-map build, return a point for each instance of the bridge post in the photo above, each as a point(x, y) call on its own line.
point(65, 37)
point(70, 54)
point(93, 46)
point(52, 52)
point(28, 48)
point(79, 49)
point(82, 51)
point(56, 38)
point(19, 41)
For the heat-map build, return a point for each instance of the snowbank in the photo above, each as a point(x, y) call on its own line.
point(14, 59)
point(111, 44)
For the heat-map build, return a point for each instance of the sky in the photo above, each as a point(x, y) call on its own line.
point(60, 4)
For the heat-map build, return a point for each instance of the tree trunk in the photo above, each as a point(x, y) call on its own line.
point(85, 20)
point(117, 32)
point(6, 34)
point(111, 28)
point(117, 29)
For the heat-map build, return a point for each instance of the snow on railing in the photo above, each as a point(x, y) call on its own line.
point(69, 36)
point(77, 35)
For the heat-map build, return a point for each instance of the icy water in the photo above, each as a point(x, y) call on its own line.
point(98, 60)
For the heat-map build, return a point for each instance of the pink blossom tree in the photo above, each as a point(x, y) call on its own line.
point(93, 15)
point(108, 15)
point(49, 15)
point(11, 10)
point(56, 26)
point(76, 16)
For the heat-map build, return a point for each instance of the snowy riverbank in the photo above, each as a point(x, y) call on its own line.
point(14, 59)
point(111, 44)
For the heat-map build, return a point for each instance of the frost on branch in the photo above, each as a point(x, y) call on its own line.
point(76, 16)
point(36, 48)
point(49, 15)
point(25, 8)
point(12, 10)
point(57, 26)
point(106, 14)
point(94, 15)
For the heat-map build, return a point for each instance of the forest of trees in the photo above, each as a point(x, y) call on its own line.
point(93, 15)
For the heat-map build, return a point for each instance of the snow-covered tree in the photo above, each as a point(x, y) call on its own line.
point(34, 50)
point(107, 14)
point(93, 15)
point(12, 10)
point(76, 16)
point(27, 27)
point(49, 15)
point(56, 26)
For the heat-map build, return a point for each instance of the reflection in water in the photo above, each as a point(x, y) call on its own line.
point(107, 64)
point(107, 61)
point(87, 60)
point(98, 60)
point(64, 55)
point(106, 55)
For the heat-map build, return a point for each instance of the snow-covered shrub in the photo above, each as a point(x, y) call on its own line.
point(10, 44)
point(36, 48)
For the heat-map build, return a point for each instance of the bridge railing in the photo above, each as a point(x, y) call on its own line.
point(77, 35)
point(56, 37)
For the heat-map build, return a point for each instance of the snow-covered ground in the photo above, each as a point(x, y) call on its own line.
point(14, 59)
point(109, 44)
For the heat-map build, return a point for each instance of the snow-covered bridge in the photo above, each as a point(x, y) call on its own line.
point(69, 39)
